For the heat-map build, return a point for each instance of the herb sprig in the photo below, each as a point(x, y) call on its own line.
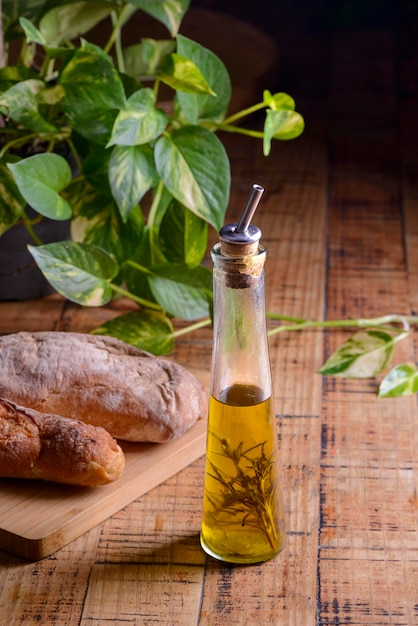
point(249, 493)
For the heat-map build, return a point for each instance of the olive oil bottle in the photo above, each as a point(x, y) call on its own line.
point(242, 507)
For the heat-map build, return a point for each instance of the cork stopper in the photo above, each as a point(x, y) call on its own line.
point(241, 239)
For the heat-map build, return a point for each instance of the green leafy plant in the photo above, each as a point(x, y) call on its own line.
point(368, 353)
point(151, 174)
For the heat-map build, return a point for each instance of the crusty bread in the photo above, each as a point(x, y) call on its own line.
point(100, 380)
point(54, 448)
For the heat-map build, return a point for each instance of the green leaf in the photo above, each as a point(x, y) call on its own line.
point(281, 124)
point(145, 329)
point(12, 203)
point(131, 174)
point(168, 12)
point(278, 101)
point(145, 59)
point(139, 122)
point(95, 169)
point(364, 355)
point(183, 235)
point(78, 271)
point(21, 103)
point(402, 380)
point(97, 221)
point(205, 107)
point(194, 167)
point(70, 20)
point(181, 291)
point(40, 178)
point(32, 34)
point(93, 93)
point(181, 74)
point(13, 74)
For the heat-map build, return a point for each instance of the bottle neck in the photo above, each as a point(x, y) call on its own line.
point(240, 349)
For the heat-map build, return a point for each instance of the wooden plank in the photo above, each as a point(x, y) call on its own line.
point(51, 591)
point(368, 540)
point(160, 548)
point(116, 594)
point(42, 314)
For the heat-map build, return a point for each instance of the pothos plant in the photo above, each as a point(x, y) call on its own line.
point(150, 173)
point(148, 178)
point(368, 353)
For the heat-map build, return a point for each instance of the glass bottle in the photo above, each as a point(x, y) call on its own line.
point(242, 508)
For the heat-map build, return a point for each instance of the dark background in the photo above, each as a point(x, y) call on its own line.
point(306, 32)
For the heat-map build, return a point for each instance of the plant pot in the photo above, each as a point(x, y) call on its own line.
point(20, 277)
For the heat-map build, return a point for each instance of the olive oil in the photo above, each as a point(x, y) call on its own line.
point(242, 511)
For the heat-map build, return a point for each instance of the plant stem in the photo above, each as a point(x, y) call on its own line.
point(138, 299)
point(242, 131)
point(191, 328)
point(151, 218)
point(29, 227)
point(240, 114)
point(16, 142)
point(75, 155)
point(115, 38)
point(156, 87)
point(300, 324)
point(140, 268)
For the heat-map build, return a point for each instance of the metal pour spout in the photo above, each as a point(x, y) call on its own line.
point(249, 209)
point(241, 239)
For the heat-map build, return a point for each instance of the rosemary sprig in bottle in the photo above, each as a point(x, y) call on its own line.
point(247, 494)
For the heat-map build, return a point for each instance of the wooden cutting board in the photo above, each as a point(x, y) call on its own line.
point(37, 518)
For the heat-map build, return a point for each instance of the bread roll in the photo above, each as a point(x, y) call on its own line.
point(101, 380)
point(50, 447)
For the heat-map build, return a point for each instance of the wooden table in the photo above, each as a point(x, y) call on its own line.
point(340, 220)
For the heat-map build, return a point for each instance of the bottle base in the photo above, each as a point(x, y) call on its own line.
point(238, 559)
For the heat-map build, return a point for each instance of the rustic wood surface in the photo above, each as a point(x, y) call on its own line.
point(41, 517)
point(340, 220)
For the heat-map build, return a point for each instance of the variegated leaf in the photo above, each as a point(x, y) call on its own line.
point(181, 74)
point(21, 103)
point(80, 272)
point(131, 175)
point(168, 12)
point(148, 330)
point(139, 121)
point(70, 20)
point(402, 380)
point(281, 124)
point(365, 354)
point(194, 167)
point(211, 107)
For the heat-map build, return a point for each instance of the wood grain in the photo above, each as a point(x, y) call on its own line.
point(339, 218)
point(37, 518)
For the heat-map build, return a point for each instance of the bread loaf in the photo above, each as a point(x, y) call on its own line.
point(54, 448)
point(100, 380)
